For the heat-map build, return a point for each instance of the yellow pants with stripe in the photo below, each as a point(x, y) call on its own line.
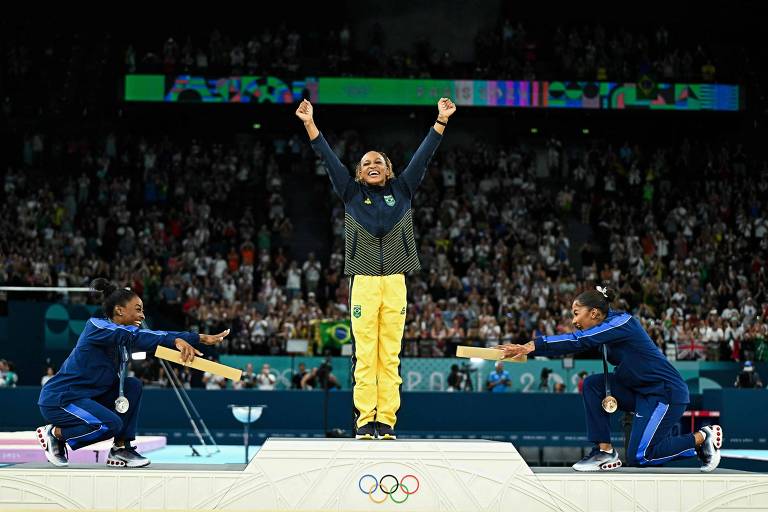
point(378, 305)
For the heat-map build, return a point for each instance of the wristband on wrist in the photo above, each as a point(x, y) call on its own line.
point(441, 122)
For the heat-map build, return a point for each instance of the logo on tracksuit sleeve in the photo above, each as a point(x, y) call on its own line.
point(357, 311)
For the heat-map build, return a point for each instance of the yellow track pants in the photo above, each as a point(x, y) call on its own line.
point(377, 305)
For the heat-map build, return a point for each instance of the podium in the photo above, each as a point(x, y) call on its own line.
point(352, 475)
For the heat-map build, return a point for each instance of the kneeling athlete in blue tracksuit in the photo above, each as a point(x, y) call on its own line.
point(644, 382)
point(78, 402)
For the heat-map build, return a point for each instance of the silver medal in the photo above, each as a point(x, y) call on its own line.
point(121, 404)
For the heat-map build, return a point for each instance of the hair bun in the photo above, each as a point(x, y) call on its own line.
point(103, 285)
point(607, 291)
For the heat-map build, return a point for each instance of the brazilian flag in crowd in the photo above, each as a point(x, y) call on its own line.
point(333, 333)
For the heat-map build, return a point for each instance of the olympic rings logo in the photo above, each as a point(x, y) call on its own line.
point(388, 488)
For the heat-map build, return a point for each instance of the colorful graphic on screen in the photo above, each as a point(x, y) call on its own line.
point(644, 95)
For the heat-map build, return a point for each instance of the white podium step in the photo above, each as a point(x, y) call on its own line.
point(349, 475)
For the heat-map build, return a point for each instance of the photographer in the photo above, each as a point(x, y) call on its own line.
point(321, 377)
point(748, 377)
point(499, 381)
point(544, 384)
point(458, 379)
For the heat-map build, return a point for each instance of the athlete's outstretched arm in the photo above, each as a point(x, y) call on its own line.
point(106, 332)
point(339, 174)
point(417, 168)
point(616, 329)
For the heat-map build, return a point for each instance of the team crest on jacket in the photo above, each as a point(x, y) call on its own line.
point(357, 311)
point(390, 200)
point(367, 201)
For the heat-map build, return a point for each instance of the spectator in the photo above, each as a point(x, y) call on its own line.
point(499, 380)
point(293, 281)
point(265, 381)
point(298, 377)
point(8, 377)
point(49, 372)
point(212, 381)
point(580, 385)
point(248, 380)
point(311, 270)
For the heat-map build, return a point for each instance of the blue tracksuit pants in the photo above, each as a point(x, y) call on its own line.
point(90, 420)
point(652, 441)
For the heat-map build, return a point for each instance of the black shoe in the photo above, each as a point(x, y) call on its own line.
point(367, 431)
point(126, 456)
point(55, 450)
point(384, 431)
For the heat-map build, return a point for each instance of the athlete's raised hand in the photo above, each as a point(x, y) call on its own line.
point(305, 111)
point(445, 108)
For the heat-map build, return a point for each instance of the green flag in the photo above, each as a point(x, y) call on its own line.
point(334, 334)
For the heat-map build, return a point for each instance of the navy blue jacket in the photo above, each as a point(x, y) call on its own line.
point(91, 369)
point(640, 365)
point(378, 221)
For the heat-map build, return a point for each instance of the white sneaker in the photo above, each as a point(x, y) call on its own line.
point(126, 456)
point(709, 451)
point(55, 450)
point(598, 460)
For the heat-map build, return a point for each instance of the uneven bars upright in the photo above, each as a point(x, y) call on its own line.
point(62, 289)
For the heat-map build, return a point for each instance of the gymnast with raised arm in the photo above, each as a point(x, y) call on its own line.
point(380, 249)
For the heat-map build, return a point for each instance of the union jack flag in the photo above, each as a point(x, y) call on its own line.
point(690, 350)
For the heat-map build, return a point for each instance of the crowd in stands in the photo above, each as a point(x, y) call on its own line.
point(497, 253)
point(508, 49)
point(200, 231)
point(594, 52)
point(87, 66)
